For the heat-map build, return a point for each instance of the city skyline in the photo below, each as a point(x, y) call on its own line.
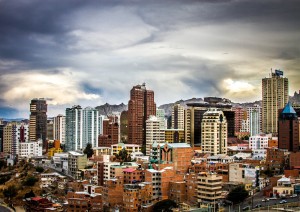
point(90, 53)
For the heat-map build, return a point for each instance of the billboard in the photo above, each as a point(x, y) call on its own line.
point(278, 73)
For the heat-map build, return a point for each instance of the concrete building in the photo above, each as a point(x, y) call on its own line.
point(13, 135)
point(177, 117)
point(254, 118)
point(160, 115)
point(240, 114)
point(116, 148)
point(82, 127)
point(137, 196)
point(112, 195)
point(214, 132)
point(174, 135)
point(110, 134)
point(140, 106)
point(284, 187)
point(31, 149)
point(59, 128)
point(274, 97)
point(288, 129)
point(194, 115)
point(153, 133)
point(38, 120)
point(49, 129)
point(242, 173)
point(258, 142)
point(76, 162)
point(209, 189)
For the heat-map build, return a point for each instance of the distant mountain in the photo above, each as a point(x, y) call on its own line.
point(108, 109)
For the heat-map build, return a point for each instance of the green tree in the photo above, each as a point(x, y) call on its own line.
point(2, 164)
point(164, 205)
point(10, 192)
point(39, 169)
point(238, 194)
point(30, 181)
point(88, 150)
point(123, 156)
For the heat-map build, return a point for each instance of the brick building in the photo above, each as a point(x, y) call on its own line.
point(110, 133)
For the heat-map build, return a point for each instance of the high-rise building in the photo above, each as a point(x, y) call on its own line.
point(153, 133)
point(110, 134)
point(14, 135)
point(288, 129)
point(140, 106)
point(160, 114)
point(194, 114)
point(1, 135)
point(274, 97)
point(73, 128)
point(59, 128)
point(50, 129)
point(82, 127)
point(124, 126)
point(38, 120)
point(240, 114)
point(254, 118)
point(177, 117)
point(214, 132)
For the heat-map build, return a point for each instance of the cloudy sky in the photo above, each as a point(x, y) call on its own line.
point(93, 52)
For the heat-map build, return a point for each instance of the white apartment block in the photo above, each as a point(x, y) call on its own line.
point(106, 171)
point(214, 132)
point(160, 114)
point(258, 142)
point(31, 149)
point(254, 119)
point(153, 133)
point(59, 128)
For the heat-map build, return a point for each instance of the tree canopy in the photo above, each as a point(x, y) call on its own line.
point(164, 205)
point(10, 192)
point(238, 194)
point(88, 150)
point(123, 156)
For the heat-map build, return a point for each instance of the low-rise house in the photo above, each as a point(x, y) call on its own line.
point(284, 187)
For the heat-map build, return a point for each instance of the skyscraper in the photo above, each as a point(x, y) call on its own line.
point(254, 118)
point(288, 129)
point(110, 132)
point(274, 97)
point(59, 128)
point(177, 117)
point(82, 127)
point(38, 120)
point(153, 133)
point(140, 106)
point(214, 132)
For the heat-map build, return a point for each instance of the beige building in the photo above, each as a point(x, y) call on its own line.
point(174, 135)
point(177, 117)
point(153, 133)
point(76, 161)
point(214, 132)
point(275, 96)
point(284, 187)
point(209, 189)
point(116, 148)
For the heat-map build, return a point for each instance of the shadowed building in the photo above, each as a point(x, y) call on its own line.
point(140, 106)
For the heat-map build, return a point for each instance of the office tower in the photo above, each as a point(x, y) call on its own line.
point(254, 118)
point(14, 135)
point(73, 128)
point(140, 106)
point(194, 114)
point(240, 114)
point(59, 128)
point(50, 129)
point(153, 133)
point(274, 97)
point(82, 127)
point(160, 114)
point(288, 129)
point(214, 132)
point(177, 117)
point(38, 120)
point(90, 126)
point(1, 135)
point(110, 134)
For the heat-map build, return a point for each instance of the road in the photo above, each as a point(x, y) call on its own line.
point(258, 200)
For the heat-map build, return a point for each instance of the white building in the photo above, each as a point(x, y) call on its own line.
point(82, 126)
point(259, 154)
point(214, 132)
point(258, 142)
point(31, 149)
point(59, 128)
point(106, 171)
point(49, 179)
point(61, 161)
point(153, 133)
point(254, 118)
point(76, 162)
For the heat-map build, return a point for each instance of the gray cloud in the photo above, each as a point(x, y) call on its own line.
point(90, 53)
